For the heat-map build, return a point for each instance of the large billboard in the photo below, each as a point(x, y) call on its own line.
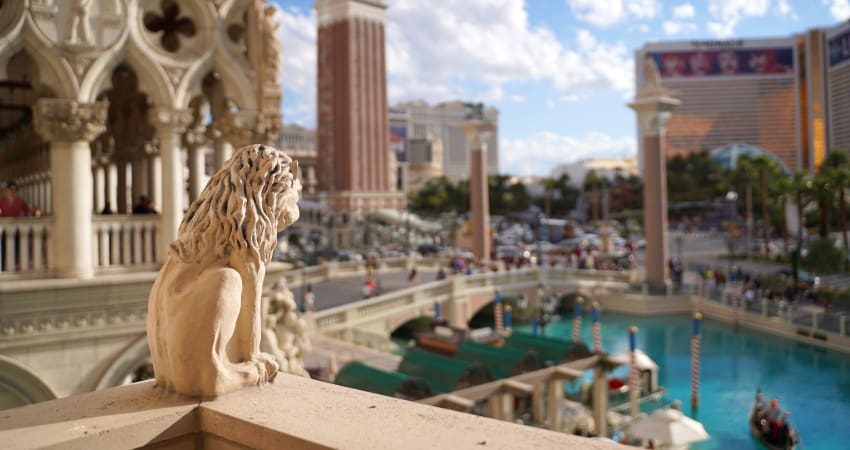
point(724, 62)
point(398, 141)
point(839, 48)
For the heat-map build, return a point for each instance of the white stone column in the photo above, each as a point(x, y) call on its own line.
point(155, 180)
point(122, 206)
point(654, 107)
point(99, 188)
point(169, 124)
point(70, 126)
point(112, 186)
point(195, 140)
point(222, 150)
point(477, 133)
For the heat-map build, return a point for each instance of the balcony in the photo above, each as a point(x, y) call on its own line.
point(292, 412)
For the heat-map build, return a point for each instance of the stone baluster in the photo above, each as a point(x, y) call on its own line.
point(37, 247)
point(126, 244)
point(137, 242)
point(169, 124)
point(149, 243)
point(103, 245)
point(114, 243)
point(70, 126)
point(99, 188)
point(195, 141)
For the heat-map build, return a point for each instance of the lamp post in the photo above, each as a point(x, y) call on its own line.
point(302, 297)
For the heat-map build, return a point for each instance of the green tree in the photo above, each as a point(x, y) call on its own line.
point(837, 169)
point(801, 186)
point(695, 177)
point(766, 168)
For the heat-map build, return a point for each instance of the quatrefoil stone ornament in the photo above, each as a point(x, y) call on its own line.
point(171, 24)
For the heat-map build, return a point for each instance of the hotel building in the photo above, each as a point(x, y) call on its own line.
point(787, 96)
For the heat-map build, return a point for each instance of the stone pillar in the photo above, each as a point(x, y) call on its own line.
point(654, 107)
point(155, 179)
point(138, 181)
point(70, 126)
point(555, 403)
point(195, 140)
point(99, 188)
point(477, 133)
point(169, 124)
point(600, 401)
point(121, 207)
point(112, 186)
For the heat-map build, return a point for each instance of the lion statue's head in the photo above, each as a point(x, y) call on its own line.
point(242, 208)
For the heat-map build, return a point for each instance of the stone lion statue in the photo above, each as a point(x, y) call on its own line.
point(204, 310)
point(284, 332)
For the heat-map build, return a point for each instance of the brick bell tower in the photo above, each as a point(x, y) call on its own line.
point(353, 130)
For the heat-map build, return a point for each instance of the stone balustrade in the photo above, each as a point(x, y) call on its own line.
point(25, 243)
point(124, 241)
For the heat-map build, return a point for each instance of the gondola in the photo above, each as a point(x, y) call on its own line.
point(778, 436)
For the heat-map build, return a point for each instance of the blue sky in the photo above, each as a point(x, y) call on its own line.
point(559, 71)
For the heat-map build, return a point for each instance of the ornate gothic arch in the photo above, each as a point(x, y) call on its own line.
point(55, 71)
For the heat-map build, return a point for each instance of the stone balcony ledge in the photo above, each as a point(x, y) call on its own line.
point(292, 412)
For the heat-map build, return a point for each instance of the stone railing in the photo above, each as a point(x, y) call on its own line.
point(292, 412)
point(25, 245)
point(802, 321)
point(125, 241)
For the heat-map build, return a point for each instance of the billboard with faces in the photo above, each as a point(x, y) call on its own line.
point(724, 62)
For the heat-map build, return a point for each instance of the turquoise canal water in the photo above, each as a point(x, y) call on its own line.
point(812, 383)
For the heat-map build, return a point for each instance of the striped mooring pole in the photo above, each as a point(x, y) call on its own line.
point(497, 313)
point(597, 328)
point(695, 349)
point(508, 320)
point(437, 310)
point(633, 371)
point(577, 318)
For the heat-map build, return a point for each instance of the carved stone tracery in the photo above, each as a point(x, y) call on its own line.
point(68, 120)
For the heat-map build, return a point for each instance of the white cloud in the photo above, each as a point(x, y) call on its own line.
point(297, 35)
point(672, 27)
point(643, 28)
point(643, 9)
point(517, 98)
point(604, 13)
point(839, 9)
point(538, 154)
point(784, 8)
point(491, 42)
point(684, 11)
point(728, 13)
point(550, 104)
point(469, 51)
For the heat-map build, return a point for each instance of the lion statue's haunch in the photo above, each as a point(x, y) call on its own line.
point(204, 309)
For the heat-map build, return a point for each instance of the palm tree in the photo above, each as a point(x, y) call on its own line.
point(785, 190)
point(840, 177)
point(801, 185)
point(743, 174)
point(549, 185)
point(765, 166)
point(591, 182)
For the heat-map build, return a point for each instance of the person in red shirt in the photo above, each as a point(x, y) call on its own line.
point(11, 205)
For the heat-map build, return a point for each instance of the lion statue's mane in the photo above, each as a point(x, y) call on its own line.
point(204, 310)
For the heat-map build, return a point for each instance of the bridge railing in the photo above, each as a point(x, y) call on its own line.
point(349, 316)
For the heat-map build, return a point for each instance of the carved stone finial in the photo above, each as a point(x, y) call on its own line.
point(652, 78)
point(66, 120)
point(204, 310)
